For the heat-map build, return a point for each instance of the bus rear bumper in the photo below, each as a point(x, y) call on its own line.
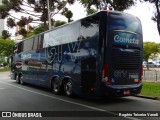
point(122, 90)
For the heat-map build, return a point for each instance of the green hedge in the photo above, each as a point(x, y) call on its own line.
point(4, 69)
point(151, 89)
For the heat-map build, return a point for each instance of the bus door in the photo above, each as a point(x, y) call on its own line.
point(88, 75)
point(89, 61)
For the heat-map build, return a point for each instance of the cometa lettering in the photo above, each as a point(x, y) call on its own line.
point(117, 38)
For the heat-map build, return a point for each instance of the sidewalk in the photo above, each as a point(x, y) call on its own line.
point(148, 97)
point(152, 69)
point(5, 73)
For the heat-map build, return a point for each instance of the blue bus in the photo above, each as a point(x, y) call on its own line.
point(99, 55)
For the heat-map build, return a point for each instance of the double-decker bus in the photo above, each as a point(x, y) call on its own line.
point(99, 55)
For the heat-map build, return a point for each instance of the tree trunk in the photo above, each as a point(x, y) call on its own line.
point(147, 65)
point(158, 15)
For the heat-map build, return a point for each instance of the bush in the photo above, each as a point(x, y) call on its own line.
point(5, 64)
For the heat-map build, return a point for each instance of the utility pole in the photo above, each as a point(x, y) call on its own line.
point(1, 22)
point(49, 15)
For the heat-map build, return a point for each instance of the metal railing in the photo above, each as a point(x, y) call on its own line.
point(151, 75)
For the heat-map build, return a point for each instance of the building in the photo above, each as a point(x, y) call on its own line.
point(1, 22)
point(19, 37)
point(1, 26)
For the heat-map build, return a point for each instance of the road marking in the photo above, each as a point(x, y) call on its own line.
point(5, 77)
point(75, 103)
point(2, 88)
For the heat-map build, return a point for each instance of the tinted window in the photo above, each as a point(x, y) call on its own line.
point(89, 27)
point(71, 32)
point(40, 42)
point(66, 34)
point(20, 47)
point(28, 44)
point(53, 38)
point(35, 43)
point(121, 21)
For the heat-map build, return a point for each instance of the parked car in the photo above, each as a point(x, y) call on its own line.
point(144, 64)
point(151, 64)
point(157, 64)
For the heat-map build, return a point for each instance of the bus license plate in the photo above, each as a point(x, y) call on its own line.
point(126, 92)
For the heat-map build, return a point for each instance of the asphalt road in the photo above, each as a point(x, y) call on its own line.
point(21, 98)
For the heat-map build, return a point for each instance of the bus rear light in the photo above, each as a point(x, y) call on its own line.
point(136, 80)
point(105, 75)
point(104, 79)
point(93, 89)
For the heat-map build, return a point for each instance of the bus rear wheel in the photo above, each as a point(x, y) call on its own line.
point(17, 79)
point(21, 80)
point(56, 86)
point(68, 88)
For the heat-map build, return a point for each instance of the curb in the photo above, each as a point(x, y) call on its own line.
point(5, 72)
point(148, 97)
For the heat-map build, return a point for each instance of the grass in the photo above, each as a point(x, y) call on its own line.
point(151, 89)
point(4, 69)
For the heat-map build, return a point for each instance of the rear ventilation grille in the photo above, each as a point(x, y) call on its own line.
point(125, 59)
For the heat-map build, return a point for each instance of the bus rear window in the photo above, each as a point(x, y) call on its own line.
point(119, 21)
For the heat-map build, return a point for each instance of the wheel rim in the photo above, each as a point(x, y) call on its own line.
point(55, 86)
point(17, 79)
point(68, 88)
point(21, 78)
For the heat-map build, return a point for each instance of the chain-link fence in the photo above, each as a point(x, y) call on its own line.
point(151, 75)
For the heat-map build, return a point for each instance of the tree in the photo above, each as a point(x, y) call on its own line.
point(31, 7)
point(68, 14)
point(42, 28)
point(11, 22)
point(156, 16)
point(36, 9)
point(59, 23)
point(118, 5)
point(6, 46)
point(5, 34)
point(151, 49)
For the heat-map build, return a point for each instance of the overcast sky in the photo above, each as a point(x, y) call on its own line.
point(144, 11)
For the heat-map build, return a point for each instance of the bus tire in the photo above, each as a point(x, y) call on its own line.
point(68, 88)
point(56, 86)
point(21, 79)
point(17, 79)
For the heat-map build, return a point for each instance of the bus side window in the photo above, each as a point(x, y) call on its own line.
point(20, 47)
point(35, 43)
point(40, 42)
point(28, 44)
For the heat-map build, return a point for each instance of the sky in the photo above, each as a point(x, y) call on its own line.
point(144, 11)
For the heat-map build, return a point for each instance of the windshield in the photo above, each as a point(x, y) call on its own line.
point(127, 22)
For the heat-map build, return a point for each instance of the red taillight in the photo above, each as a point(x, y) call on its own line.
point(108, 11)
point(141, 74)
point(105, 75)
